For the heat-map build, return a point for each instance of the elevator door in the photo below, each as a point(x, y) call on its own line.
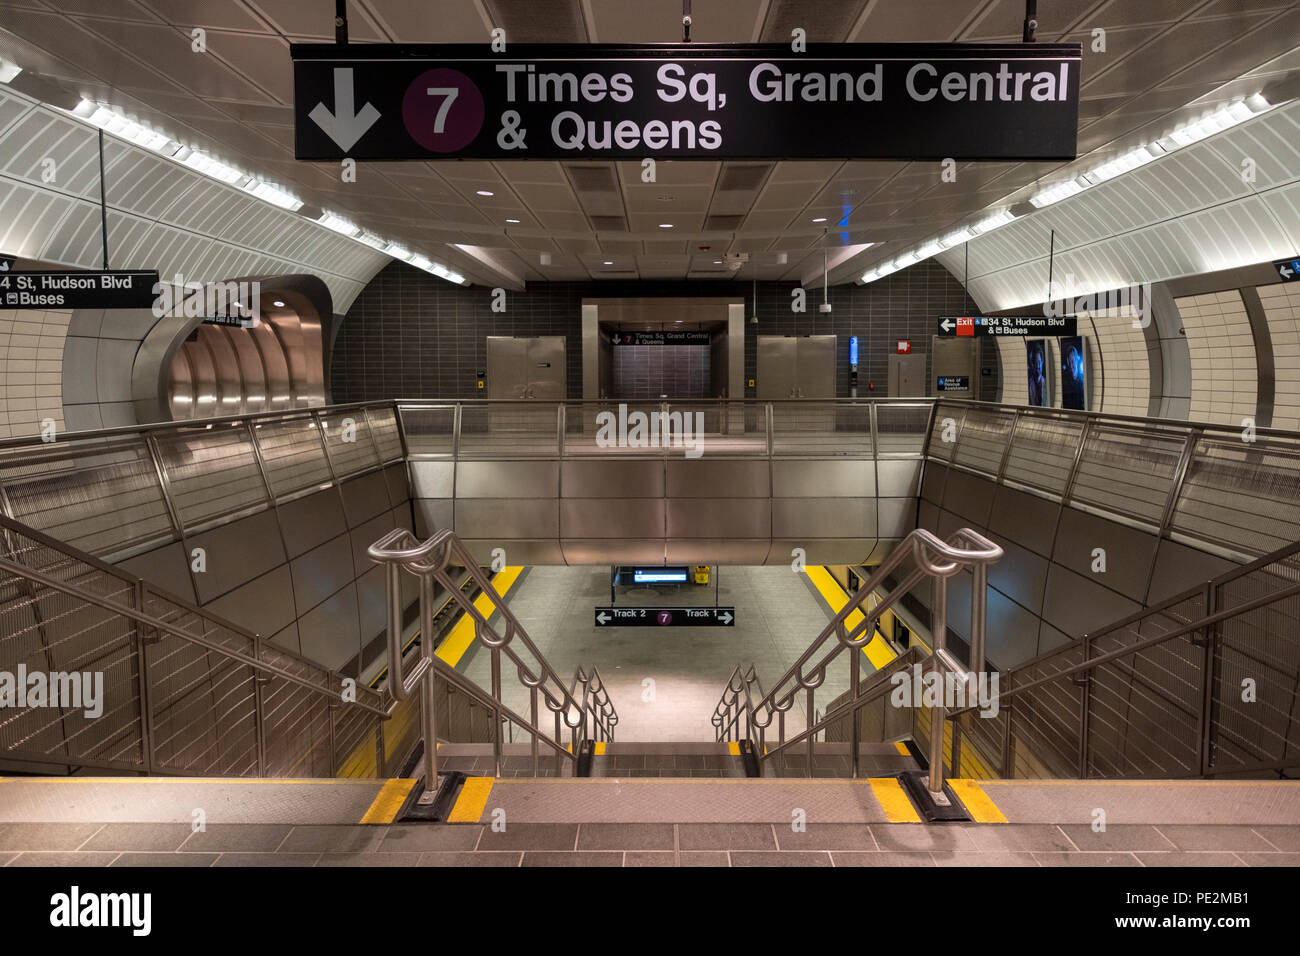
point(800, 366)
point(526, 367)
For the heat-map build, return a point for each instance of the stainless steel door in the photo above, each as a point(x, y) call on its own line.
point(777, 362)
point(507, 366)
point(546, 373)
point(815, 367)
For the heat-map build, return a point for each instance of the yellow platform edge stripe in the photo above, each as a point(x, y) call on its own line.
point(980, 804)
point(893, 800)
point(599, 750)
point(877, 649)
point(462, 634)
point(471, 801)
point(733, 748)
point(388, 802)
point(902, 748)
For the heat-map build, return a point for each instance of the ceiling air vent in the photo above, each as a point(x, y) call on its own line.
point(608, 223)
point(594, 179)
point(743, 177)
point(723, 223)
point(539, 21)
point(823, 21)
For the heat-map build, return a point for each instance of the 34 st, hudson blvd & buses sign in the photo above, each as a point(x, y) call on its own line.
point(697, 101)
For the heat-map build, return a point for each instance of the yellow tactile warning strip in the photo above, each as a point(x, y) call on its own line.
point(473, 798)
point(388, 801)
point(877, 649)
point(462, 634)
point(902, 748)
point(893, 800)
point(980, 805)
point(599, 750)
point(733, 748)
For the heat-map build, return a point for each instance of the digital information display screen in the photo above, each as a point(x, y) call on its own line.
point(659, 575)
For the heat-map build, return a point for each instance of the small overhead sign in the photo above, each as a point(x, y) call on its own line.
point(659, 338)
point(78, 290)
point(954, 383)
point(960, 101)
point(665, 616)
point(1009, 325)
point(904, 347)
point(7, 263)
point(1288, 269)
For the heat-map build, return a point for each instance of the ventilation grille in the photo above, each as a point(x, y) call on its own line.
point(723, 223)
point(823, 21)
point(539, 21)
point(594, 179)
point(743, 177)
point(608, 223)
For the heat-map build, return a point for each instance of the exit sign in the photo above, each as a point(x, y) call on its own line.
point(904, 347)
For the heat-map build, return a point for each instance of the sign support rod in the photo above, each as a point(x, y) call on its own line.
point(1031, 20)
point(1051, 263)
point(341, 22)
point(686, 21)
point(103, 201)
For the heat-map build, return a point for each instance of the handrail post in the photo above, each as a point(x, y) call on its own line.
point(855, 664)
point(142, 676)
point(939, 624)
point(812, 737)
point(532, 715)
point(979, 597)
point(1203, 736)
point(496, 695)
point(427, 696)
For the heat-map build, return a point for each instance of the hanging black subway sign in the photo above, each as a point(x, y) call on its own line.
point(1010, 325)
point(666, 101)
point(78, 290)
point(659, 338)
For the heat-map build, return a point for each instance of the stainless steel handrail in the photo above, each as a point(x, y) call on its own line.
point(937, 560)
point(428, 561)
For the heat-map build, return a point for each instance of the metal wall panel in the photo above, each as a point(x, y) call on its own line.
point(717, 551)
point(519, 551)
point(1021, 574)
point(363, 536)
point(166, 567)
point(328, 632)
point(797, 518)
point(364, 498)
point(898, 477)
point(1025, 519)
point(507, 479)
point(612, 518)
point(311, 521)
point(969, 496)
point(1179, 567)
point(432, 479)
point(507, 518)
point(594, 478)
point(1077, 605)
point(719, 518)
point(432, 515)
point(896, 517)
point(825, 479)
point(237, 553)
point(602, 551)
point(322, 571)
point(1129, 552)
point(710, 478)
point(264, 605)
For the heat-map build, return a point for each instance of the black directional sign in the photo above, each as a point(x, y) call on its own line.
point(665, 616)
point(659, 338)
point(1288, 269)
point(6, 263)
point(78, 290)
point(1012, 325)
point(698, 101)
point(953, 383)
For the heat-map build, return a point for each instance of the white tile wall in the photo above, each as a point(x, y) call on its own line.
point(1282, 310)
point(1224, 373)
point(1119, 352)
point(31, 370)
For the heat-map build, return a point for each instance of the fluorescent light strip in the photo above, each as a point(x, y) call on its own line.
point(1054, 194)
point(370, 239)
point(205, 164)
point(1121, 164)
point(274, 195)
point(398, 252)
point(339, 224)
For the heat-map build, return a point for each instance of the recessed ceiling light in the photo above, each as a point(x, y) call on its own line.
point(666, 198)
point(486, 192)
point(821, 219)
point(608, 262)
point(516, 221)
point(278, 304)
point(665, 225)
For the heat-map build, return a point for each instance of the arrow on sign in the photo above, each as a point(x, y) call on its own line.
point(1285, 272)
point(345, 126)
point(725, 617)
point(603, 618)
point(946, 325)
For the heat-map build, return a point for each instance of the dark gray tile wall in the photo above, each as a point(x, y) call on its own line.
point(412, 335)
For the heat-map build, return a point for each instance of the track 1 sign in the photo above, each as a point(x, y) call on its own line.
point(665, 616)
point(957, 101)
